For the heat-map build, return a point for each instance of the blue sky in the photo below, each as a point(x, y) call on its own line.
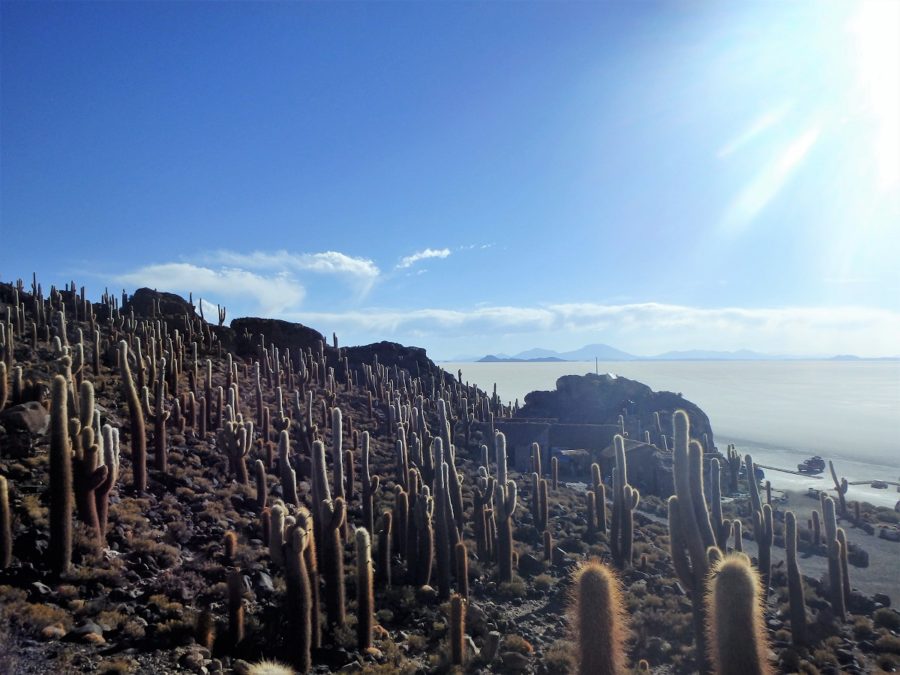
point(469, 177)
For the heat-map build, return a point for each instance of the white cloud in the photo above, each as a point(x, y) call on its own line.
point(411, 260)
point(271, 294)
point(643, 328)
point(361, 272)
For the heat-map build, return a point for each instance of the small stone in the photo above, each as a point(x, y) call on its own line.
point(491, 644)
point(55, 631)
point(515, 662)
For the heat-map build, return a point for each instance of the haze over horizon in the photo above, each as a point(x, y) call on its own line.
point(470, 178)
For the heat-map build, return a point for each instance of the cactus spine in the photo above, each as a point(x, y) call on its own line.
point(138, 432)
point(736, 631)
point(599, 620)
point(795, 581)
point(365, 597)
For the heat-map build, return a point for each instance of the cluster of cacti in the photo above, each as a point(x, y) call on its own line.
point(418, 525)
point(690, 530)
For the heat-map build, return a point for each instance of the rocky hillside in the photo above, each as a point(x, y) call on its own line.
point(177, 496)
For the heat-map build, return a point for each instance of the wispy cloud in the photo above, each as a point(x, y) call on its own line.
point(271, 294)
point(363, 272)
point(642, 327)
point(410, 260)
point(757, 194)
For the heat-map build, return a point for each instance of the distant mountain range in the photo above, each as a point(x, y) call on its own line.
point(604, 352)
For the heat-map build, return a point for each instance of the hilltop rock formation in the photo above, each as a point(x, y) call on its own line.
point(600, 399)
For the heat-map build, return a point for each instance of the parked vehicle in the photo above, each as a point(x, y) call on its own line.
point(813, 465)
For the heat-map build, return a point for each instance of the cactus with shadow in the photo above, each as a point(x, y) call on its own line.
point(6, 533)
point(299, 597)
point(457, 630)
point(334, 512)
point(365, 595)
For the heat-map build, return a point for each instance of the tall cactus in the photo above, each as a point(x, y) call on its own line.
point(111, 461)
point(625, 500)
point(599, 497)
point(599, 620)
point(236, 439)
point(504, 509)
point(840, 486)
point(334, 512)
point(795, 581)
point(286, 472)
point(60, 551)
point(424, 511)
point(690, 530)
point(300, 598)
point(365, 596)
point(721, 527)
point(457, 630)
point(6, 533)
point(159, 417)
point(337, 446)
point(735, 630)
point(138, 430)
point(763, 531)
point(835, 552)
point(369, 486)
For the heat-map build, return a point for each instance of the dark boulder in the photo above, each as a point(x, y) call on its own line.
point(282, 334)
point(600, 399)
point(170, 304)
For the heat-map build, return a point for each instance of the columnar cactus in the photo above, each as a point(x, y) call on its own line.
point(625, 500)
point(763, 531)
point(111, 461)
point(690, 530)
point(482, 497)
point(835, 552)
point(457, 630)
point(401, 517)
point(60, 551)
point(462, 569)
point(337, 457)
point(554, 472)
point(236, 439)
point(159, 417)
point(138, 431)
point(369, 486)
point(504, 509)
point(795, 581)
point(735, 629)
point(6, 533)
point(721, 527)
point(383, 569)
point(276, 534)
point(300, 597)
point(598, 620)
point(285, 471)
point(845, 569)
point(262, 490)
point(334, 512)
point(365, 596)
point(442, 524)
point(599, 490)
point(548, 546)
point(235, 607)
point(424, 512)
point(841, 486)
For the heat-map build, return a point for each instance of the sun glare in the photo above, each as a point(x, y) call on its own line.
point(875, 29)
